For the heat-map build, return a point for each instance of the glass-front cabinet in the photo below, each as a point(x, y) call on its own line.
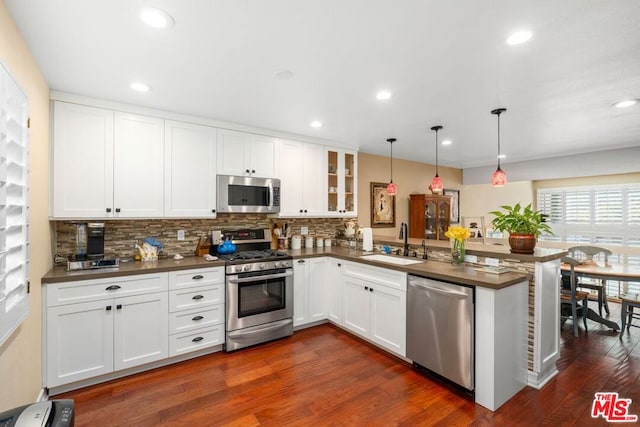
point(341, 184)
point(429, 216)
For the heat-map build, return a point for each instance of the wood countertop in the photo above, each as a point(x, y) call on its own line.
point(464, 274)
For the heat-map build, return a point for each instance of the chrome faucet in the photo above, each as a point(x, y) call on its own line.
point(425, 254)
point(404, 234)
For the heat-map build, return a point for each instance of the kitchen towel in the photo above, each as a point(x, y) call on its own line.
point(367, 239)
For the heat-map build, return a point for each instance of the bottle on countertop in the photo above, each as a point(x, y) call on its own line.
point(136, 251)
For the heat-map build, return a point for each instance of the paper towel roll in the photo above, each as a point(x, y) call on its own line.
point(367, 239)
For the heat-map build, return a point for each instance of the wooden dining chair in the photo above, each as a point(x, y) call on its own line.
point(629, 301)
point(588, 253)
point(570, 296)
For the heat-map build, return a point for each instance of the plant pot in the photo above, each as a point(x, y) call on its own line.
point(522, 243)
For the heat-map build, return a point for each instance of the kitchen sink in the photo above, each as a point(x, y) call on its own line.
point(391, 259)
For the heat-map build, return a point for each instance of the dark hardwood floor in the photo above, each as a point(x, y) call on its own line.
point(324, 376)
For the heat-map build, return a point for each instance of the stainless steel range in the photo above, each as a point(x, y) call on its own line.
point(259, 290)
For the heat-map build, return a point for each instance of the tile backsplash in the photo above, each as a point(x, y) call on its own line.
point(120, 235)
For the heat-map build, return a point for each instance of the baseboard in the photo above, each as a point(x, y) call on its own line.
point(43, 395)
point(538, 380)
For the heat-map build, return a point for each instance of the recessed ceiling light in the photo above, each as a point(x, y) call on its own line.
point(383, 95)
point(316, 124)
point(156, 18)
point(140, 87)
point(446, 142)
point(502, 156)
point(283, 74)
point(519, 37)
point(626, 103)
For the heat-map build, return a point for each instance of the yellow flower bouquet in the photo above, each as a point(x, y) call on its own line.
point(458, 235)
point(458, 232)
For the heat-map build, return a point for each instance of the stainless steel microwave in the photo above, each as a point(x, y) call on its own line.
point(247, 194)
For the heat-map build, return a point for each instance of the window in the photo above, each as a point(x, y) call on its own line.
point(606, 216)
point(14, 216)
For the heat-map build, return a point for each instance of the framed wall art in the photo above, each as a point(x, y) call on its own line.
point(455, 205)
point(475, 224)
point(383, 206)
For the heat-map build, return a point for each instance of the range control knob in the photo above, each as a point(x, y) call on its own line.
point(276, 264)
point(247, 267)
point(261, 266)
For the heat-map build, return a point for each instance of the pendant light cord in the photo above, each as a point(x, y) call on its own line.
point(436, 152)
point(499, 140)
point(391, 161)
point(390, 141)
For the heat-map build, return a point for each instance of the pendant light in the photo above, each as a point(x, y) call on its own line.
point(392, 189)
point(436, 183)
point(499, 177)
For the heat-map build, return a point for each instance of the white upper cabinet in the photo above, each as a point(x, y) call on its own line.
point(82, 161)
point(342, 184)
point(138, 159)
point(301, 177)
point(245, 154)
point(106, 164)
point(190, 170)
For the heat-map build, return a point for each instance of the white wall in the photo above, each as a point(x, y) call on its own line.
point(601, 163)
point(479, 200)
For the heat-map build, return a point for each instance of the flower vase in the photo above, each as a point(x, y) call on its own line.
point(457, 251)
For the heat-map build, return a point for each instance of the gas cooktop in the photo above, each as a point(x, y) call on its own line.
point(254, 255)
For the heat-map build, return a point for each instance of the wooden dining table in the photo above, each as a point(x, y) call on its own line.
point(604, 272)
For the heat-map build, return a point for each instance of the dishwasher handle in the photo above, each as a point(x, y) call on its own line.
point(439, 290)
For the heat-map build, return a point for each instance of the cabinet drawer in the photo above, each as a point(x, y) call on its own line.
point(98, 289)
point(192, 341)
point(379, 276)
point(195, 277)
point(183, 321)
point(184, 299)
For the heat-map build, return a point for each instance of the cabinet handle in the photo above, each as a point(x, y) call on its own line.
point(197, 339)
point(117, 210)
point(339, 265)
point(195, 319)
point(197, 297)
point(108, 210)
point(108, 308)
point(300, 210)
point(301, 261)
point(198, 277)
point(213, 211)
point(119, 307)
point(112, 288)
point(366, 288)
point(246, 170)
point(370, 289)
point(253, 171)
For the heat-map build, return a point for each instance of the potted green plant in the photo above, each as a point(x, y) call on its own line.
point(524, 226)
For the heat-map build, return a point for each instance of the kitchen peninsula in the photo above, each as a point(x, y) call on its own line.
point(543, 270)
point(498, 297)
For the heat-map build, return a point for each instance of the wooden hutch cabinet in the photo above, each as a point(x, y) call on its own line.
point(429, 216)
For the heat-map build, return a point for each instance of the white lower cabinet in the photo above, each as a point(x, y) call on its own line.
point(335, 288)
point(97, 327)
point(140, 333)
point(196, 309)
point(86, 339)
point(309, 290)
point(374, 305)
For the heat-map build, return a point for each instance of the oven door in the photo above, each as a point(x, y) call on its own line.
point(259, 297)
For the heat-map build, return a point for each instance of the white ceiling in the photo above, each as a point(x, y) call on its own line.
point(446, 63)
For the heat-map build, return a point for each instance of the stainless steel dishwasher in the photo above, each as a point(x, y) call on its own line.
point(440, 325)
